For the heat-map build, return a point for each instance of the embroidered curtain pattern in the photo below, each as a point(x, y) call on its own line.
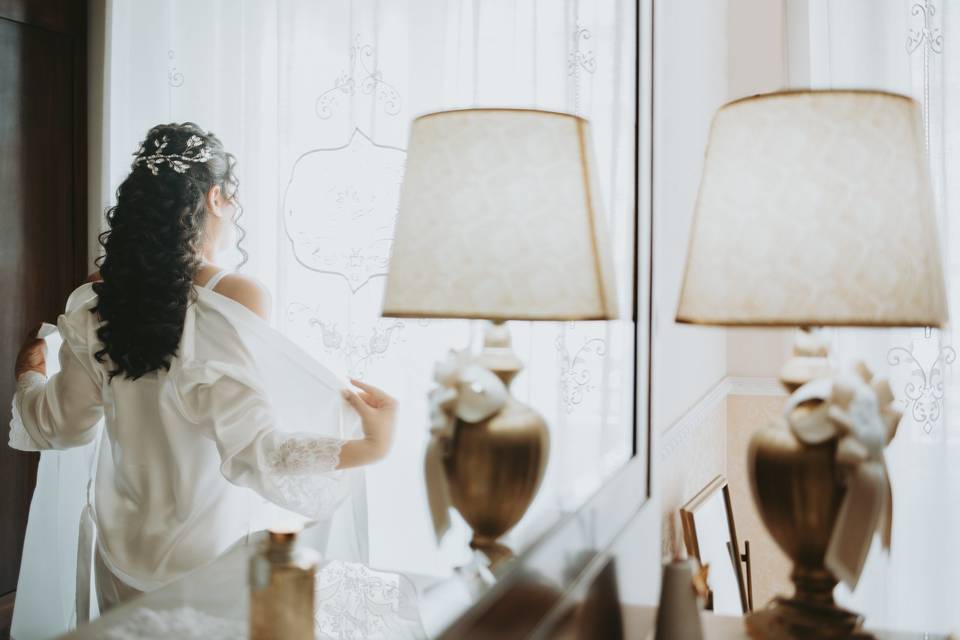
point(903, 46)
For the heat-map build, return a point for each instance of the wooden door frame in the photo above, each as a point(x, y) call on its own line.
point(66, 18)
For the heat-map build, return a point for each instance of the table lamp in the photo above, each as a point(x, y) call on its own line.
point(500, 219)
point(816, 209)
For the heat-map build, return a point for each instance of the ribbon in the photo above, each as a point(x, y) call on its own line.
point(465, 391)
point(857, 410)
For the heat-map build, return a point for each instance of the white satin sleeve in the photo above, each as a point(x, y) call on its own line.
point(293, 469)
point(61, 412)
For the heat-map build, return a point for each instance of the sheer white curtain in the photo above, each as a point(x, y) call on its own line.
point(908, 47)
point(315, 99)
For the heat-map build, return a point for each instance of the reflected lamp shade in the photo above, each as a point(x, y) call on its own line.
point(815, 209)
point(500, 219)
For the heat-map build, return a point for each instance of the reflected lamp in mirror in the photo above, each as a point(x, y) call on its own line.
point(816, 209)
point(500, 219)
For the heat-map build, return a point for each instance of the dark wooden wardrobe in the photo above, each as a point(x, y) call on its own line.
point(43, 222)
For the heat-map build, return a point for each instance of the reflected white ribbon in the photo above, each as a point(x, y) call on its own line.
point(466, 391)
point(857, 410)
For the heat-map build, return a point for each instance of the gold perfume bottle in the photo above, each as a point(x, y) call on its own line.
point(281, 589)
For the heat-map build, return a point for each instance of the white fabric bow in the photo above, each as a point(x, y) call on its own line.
point(857, 410)
point(467, 391)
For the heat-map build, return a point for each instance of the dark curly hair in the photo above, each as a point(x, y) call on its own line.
point(152, 247)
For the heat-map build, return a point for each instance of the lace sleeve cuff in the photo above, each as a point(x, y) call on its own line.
point(20, 438)
point(302, 470)
point(305, 455)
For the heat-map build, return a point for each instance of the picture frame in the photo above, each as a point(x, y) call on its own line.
point(710, 536)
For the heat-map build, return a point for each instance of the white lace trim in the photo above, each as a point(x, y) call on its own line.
point(354, 601)
point(300, 456)
point(19, 436)
point(303, 471)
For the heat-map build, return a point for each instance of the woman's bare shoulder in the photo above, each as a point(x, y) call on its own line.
point(248, 291)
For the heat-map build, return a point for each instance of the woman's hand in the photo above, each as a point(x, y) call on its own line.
point(32, 356)
point(378, 412)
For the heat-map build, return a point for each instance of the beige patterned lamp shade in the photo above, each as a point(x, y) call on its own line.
point(815, 209)
point(500, 218)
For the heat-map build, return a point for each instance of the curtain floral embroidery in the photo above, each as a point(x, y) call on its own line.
point(903, 46)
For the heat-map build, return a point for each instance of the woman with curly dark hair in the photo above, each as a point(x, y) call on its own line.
point(170, 353)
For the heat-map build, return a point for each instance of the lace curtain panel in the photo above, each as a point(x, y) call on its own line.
point(315, 100)
point(903, 46)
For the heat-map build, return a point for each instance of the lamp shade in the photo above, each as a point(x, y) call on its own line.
point(500, 218)
point(815, 209)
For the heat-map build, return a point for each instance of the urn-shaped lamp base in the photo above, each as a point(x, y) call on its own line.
point(798, 491)
point(494, 467)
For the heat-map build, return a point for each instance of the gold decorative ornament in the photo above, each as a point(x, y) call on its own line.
point(281, 579)
point(488, 450)
point(820, 484)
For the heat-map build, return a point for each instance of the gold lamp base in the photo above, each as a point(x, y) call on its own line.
point(789, 619)
point(798, 493)
point(494, 467)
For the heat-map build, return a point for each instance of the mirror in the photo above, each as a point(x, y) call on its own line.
point(315, 100)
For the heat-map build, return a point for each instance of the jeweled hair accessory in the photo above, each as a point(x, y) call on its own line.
point(196, 151)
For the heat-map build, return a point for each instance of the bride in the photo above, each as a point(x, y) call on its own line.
point(208, 414)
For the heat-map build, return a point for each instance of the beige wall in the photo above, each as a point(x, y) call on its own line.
point(769, 566)
point(757, 62)
point(698, 454)
point(691, 83)
point(757, 353)
point(758, 56)
point(707, 53)
point(738, 50)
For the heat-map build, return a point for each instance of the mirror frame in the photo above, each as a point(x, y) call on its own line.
point(553, 576)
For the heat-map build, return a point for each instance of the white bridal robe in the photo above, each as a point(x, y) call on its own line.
point(160, 475)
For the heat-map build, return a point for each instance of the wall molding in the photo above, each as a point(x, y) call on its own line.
point(696, 417)
point(693, 420)
point(755, 386)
